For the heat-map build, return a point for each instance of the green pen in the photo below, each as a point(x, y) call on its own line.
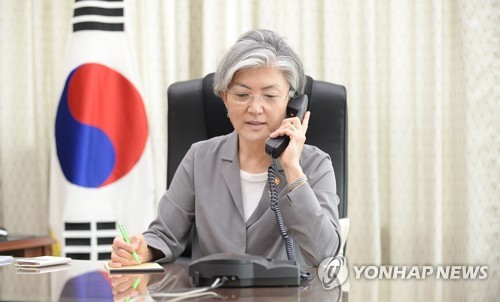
point(134, 286)
point(136, 283)
point(127, 240)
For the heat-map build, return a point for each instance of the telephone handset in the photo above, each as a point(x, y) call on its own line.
point(297, 106)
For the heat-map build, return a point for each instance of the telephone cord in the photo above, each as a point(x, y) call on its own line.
point(273, 189)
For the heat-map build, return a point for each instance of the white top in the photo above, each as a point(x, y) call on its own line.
point(252, 186)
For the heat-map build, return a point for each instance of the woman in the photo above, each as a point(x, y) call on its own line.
point(221, 187)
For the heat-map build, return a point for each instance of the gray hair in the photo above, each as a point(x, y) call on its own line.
point(260, 48)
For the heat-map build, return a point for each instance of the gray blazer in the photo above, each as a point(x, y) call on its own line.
point(206, 191)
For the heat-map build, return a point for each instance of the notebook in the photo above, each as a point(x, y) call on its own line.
point(148, 267)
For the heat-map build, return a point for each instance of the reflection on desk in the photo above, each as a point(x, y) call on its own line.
point(88, 280)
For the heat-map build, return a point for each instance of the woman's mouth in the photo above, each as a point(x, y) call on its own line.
point(255, 124)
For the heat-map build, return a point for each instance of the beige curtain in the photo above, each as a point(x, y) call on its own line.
point(423, 97)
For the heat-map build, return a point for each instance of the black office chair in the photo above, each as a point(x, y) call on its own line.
point(195, 113)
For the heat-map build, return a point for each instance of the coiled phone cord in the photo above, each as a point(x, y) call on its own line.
point(273, 189)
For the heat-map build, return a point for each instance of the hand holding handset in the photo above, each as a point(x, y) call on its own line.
point(297, 106)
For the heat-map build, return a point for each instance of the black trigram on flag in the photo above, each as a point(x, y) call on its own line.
point(106, 15)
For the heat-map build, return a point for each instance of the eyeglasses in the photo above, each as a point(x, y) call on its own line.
point(241, 97)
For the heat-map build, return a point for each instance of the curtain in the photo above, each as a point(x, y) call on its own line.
point(422, 83)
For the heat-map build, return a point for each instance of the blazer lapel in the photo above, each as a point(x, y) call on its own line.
point(265, 200)
point(280, 174)
point(231, 173)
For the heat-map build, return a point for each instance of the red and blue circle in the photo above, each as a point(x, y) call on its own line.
point(101, 126)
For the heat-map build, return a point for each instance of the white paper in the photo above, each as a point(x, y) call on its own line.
point(4, 260)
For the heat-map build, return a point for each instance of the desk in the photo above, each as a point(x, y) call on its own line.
point(19, 245)
point(86, 280)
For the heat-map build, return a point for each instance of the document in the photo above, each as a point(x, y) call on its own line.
point(41, 261)
point(148, 267)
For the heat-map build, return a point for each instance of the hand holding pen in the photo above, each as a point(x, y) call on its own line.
point(128, 251)
point(127, 286)
point(127, 240)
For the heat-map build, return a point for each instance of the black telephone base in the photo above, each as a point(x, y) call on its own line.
point(242, 270)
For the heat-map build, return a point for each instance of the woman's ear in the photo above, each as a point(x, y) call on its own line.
point(223, 96)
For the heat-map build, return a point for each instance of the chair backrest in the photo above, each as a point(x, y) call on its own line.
point(195, 113)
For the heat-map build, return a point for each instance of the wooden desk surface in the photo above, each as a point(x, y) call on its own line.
point(21, 245)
